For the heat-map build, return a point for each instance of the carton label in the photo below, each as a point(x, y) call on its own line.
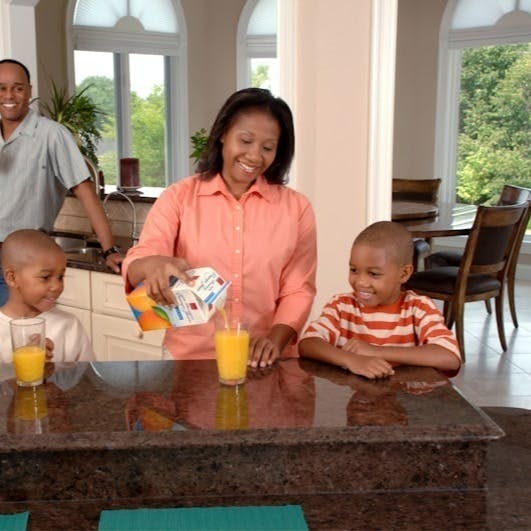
point(194, 304)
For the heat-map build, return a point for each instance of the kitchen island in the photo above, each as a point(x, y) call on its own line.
point(353, 453)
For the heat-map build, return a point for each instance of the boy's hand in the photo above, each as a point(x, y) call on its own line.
point(370, 367)
point(48, 366)
point(357, 346)
point(49, 346)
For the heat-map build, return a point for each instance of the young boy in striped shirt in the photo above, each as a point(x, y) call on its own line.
point(378, 325)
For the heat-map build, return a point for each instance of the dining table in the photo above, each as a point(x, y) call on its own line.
point(428, 220)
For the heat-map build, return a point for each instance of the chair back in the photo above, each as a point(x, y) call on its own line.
point(512, 195)
point(518, 194)
point(490, 243)
point(425, 190)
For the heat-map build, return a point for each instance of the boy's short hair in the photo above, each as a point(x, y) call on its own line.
point(395, 238)
point(22, 244)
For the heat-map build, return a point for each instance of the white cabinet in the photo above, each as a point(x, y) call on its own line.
point(121, 339)
point(98, 300)
point(76, 297)
point(116, 335)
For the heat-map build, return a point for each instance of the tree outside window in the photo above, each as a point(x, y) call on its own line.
point(494, 146)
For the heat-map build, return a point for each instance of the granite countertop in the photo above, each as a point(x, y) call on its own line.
point(293, 402)
point(355, 454)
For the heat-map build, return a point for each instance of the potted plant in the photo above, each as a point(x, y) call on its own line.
point(199, 141)
point(78, 113)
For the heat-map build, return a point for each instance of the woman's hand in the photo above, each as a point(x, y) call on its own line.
point(157, 272)
point(262, 352)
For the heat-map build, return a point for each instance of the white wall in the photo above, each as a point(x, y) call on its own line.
point(332, 124)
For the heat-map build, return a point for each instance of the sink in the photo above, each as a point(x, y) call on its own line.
point(78, 245)
point(86, 251)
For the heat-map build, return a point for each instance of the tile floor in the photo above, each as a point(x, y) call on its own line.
point(491, 377)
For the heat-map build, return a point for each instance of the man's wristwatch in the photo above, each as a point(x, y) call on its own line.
point(110, 250)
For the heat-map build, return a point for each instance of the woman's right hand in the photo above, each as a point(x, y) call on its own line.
point(158, 270)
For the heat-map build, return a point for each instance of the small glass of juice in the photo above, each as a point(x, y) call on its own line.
point(27, 340)
point(232, 347)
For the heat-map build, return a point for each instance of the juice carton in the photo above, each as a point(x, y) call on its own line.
point(194, 304)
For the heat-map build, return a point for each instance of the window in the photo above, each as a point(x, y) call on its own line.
point(257, 45)
point(131, 55)
point(476, 36)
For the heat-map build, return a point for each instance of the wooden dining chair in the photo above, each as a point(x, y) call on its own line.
point(510, 195)
point(483, 269)
point(419, 190)
point(423, 190)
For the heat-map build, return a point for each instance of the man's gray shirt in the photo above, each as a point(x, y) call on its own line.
point(38, 164)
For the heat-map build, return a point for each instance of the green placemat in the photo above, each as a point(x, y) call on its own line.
point(14, 522)
point(259, 518)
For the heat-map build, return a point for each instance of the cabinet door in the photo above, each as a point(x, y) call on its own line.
point(117, 339)
point(108, 295)
point(83, 315)
point(76, 292)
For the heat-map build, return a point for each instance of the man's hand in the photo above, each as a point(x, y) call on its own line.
point(114, 260)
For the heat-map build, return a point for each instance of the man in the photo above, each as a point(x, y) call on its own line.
point(39, 163)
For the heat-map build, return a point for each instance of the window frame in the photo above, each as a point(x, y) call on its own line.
point(173, 47)
point(251, 46)
point(451, 42)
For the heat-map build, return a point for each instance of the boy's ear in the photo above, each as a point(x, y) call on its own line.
point(10, 277)
point(405, 272)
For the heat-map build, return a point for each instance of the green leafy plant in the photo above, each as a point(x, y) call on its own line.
point(79, 114)
point(199, 141)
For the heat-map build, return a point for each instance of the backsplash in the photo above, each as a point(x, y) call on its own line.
point(72, 217)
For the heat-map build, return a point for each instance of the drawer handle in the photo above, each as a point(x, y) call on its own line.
point(139, 333)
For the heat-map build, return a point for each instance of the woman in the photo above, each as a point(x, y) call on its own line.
point(236, 216)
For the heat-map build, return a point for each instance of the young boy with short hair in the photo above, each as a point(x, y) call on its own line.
point(378, 325)
point(34, 266)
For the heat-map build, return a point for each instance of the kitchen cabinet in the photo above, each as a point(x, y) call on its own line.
point(75, 298)
point(116, 336)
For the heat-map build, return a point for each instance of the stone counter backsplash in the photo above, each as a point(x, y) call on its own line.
point(72, 217)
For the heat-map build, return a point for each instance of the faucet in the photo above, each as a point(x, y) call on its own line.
point(134, 234)
point(96, 177)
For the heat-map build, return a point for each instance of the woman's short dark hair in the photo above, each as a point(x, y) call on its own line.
point(211, 162)
point(18, 63)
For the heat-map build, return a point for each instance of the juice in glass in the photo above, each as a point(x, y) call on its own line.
point(27, 340)
point(29, 365)
point(232, 351)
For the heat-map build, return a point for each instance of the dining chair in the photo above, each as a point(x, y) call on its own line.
point(423, 190)
point(510, 195)
point(482, 271)
point(419, 190)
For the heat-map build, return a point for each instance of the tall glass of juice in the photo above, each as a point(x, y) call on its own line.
point(27, 340)
point(232, 348)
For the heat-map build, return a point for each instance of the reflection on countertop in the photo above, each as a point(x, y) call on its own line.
point(167, 433)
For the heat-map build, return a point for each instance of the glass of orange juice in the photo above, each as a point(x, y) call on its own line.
point(232, 347)
point(27, 340)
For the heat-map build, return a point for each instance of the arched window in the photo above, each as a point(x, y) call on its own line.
point(472, 31)
point(132, 56)
point(257, 45)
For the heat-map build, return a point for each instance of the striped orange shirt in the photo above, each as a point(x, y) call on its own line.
point(412, 320)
